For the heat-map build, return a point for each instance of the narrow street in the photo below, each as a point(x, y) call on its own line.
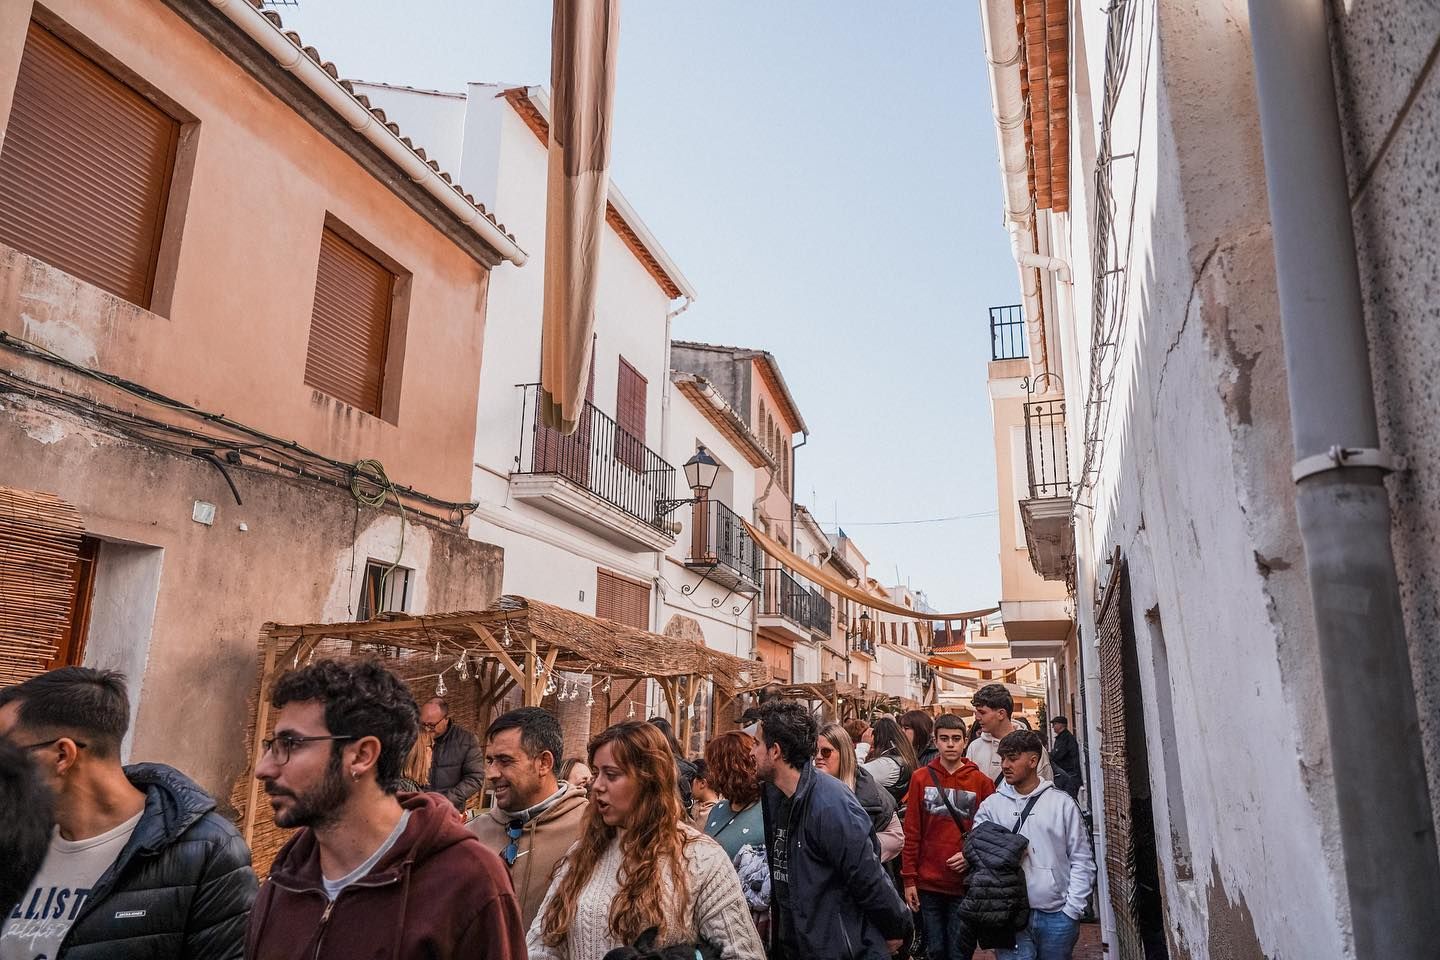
point(528, 459)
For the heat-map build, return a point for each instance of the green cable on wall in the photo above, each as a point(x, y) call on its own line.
point(373, 472)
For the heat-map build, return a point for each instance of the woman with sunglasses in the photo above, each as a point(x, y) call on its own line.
point(638, 867)
point(835, 755)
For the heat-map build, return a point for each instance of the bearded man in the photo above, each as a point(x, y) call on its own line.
point(368, 872)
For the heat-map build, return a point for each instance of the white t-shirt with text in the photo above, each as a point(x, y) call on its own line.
point(38, 924)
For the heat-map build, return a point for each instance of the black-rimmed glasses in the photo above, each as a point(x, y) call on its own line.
point(511, 853)
point(281, 747)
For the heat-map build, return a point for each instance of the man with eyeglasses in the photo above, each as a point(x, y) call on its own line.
point(139, 865)
point(368, 873)
point(457, 764)
point(535, 818)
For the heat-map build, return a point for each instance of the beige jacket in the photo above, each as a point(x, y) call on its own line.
point(542, 844)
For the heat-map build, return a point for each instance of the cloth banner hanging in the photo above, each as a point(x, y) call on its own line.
point(825, 578)
point(583, 40)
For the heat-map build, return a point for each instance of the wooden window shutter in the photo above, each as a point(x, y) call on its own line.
point(621, 600)
point(630, 415)
point(350, 324)
point(85, 170)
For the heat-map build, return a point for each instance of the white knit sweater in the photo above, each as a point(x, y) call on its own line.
point(717, 911)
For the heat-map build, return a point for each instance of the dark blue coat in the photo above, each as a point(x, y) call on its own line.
point(843, 906)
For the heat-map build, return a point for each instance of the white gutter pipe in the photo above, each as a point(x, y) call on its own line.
point(1003, 52)
point(259, 28)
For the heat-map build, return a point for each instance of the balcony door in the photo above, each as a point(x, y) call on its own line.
point(567, 456)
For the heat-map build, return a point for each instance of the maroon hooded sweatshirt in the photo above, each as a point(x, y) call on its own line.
point(437, 894)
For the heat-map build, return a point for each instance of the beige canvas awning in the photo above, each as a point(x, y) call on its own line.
point(830, 581)
point(583, 40)
point(907, 652)
point(1005, 666)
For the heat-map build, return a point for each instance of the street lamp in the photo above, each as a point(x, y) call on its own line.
point(700, 473)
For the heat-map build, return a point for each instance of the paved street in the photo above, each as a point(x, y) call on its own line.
point(1089, 948)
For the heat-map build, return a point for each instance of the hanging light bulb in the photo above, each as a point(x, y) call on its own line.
point(440, 690)
point(606, 688)
point(631, 714)
point(590, 700)
point(505, 634)
point(462, 670)
point(437, 649)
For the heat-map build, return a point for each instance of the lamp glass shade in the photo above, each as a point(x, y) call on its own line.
point(701, 470)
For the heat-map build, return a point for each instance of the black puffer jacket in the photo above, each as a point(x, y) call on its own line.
point(180, 890)
point(995, 901)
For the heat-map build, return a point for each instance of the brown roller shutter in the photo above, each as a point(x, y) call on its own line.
point(350, 324)
point(622, 600)
point(630, 415)
point(85, 170)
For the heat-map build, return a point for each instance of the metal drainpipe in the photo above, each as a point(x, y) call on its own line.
point(1392, 869)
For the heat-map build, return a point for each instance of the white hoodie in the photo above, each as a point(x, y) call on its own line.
point(1059, 864)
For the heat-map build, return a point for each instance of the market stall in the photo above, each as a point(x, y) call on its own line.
point(519, 649)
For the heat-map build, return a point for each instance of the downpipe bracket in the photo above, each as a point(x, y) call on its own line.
point(1338, 458)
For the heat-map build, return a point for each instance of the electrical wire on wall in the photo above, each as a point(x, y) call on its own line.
point(246, 447)
point(371, 487)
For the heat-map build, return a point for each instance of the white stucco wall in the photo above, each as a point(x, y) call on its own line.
point(503, 164)
point(726, 618)
point(1193, 486)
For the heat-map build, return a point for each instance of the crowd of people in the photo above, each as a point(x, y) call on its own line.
point(790, 840)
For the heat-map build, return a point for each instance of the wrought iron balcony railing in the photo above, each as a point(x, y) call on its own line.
point(1007, 333)
point(784, 596)
point(719, 539)
point(1046, 461)
point(600, 457)
point(822, 614)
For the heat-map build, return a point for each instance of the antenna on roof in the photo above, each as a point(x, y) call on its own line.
point(279, 3)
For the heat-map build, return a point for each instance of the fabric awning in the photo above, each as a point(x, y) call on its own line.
point(830, 581)
point(1005, 666)
point(906, 652)
point(583, 39)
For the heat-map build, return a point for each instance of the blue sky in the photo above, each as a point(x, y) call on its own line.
point(825, 175)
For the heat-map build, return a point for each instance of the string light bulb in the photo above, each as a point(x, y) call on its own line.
point(631, 714)
point(505, 634)
point(440, 690)
point(437, 650)
point(462, 668)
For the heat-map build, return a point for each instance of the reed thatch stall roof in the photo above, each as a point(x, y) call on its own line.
point(475, 659)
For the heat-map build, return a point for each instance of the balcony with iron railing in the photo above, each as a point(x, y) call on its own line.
point(720, 546)
point(1007, 333)
point(1046, 512)
point(601, 477)
point(787, 606)
point(822, 615)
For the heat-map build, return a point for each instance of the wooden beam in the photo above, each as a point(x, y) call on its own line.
point(262, 718)
point(667, 686)
point(497, 651)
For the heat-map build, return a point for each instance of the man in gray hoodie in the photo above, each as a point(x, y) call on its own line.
point(1058, 863)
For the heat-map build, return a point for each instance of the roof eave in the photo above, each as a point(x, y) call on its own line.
point(533, 105)
point(334, 109)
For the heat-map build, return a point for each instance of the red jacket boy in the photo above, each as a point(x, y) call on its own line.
point(932, 837)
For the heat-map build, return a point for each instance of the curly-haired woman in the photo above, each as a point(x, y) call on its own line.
point(636, 866)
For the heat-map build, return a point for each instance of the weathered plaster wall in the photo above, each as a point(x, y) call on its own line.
point(1389, 91)
point(217, 585)
point(235, 334)
point(1194, 487)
